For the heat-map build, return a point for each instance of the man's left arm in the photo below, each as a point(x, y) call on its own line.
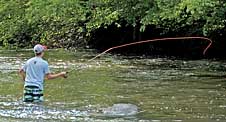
point(22, 74)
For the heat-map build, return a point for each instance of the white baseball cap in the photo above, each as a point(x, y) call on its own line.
point(39, 48)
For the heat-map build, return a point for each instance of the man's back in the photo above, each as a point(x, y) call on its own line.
point(36, 68)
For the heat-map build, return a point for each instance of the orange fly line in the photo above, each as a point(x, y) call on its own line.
point(152, 40)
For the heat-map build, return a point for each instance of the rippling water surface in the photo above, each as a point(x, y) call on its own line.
point(152, 89)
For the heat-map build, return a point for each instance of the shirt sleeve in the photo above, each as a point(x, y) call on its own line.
point(24, 67)
point(46, 69)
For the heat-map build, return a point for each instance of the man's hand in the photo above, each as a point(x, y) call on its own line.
point(64, 74)
point(22, 74)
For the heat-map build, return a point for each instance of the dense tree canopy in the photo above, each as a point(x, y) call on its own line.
point(70, 23)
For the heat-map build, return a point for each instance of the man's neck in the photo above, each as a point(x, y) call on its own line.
point(38, 56)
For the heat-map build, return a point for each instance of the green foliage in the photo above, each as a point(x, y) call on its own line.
point(117, 12)
point(12, 21)
point(194, 15)
point(69, 23)
point(54, 22)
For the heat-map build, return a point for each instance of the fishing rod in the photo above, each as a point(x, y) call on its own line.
point(152, 40)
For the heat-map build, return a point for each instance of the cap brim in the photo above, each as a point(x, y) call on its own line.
point(44, 47)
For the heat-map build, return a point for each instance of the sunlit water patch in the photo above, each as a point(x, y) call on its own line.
point(37, 112)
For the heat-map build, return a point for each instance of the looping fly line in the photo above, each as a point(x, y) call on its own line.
point(152, 40)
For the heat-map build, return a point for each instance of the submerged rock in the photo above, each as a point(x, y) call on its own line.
point(121, 110)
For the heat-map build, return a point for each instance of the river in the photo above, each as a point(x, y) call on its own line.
point(162, 89)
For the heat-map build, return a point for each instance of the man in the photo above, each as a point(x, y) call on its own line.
point(34, 72)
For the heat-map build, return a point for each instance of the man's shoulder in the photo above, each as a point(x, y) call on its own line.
point(38, 59)
point(43, 61)
point(31, 59)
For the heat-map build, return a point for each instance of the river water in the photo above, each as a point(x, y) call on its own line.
point(160, 89)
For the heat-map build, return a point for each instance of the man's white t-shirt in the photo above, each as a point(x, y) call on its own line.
point(36, 68)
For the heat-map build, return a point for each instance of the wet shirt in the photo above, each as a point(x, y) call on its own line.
point(36, 68)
